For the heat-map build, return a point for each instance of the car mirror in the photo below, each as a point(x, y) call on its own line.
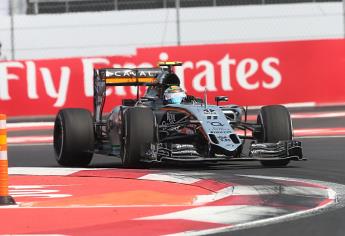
point(221, 99)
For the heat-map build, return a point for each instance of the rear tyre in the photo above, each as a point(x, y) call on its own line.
point(138, 131)
point(73, 137)
point(276, 126)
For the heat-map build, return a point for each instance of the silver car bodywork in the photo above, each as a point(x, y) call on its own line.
point(191, 131)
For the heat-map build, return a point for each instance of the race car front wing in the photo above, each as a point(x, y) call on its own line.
point(290, 149)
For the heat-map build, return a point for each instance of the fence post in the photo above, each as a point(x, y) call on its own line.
point(178, 33)
point(5, 198)
point(13, 56)
point(344, 17)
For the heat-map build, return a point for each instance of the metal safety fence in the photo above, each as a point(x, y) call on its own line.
point(64, 6)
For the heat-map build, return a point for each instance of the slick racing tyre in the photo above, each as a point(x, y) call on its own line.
point(73, 137)
point(276, 126)
point(138, 131)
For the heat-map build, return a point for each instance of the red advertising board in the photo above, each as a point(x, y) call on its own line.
point(249, 73)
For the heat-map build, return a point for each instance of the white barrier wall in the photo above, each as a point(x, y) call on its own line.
point(121, 32)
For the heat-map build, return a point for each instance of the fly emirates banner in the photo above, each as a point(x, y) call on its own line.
point(248, 73)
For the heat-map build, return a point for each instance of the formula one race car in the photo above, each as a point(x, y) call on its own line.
point(168, 125)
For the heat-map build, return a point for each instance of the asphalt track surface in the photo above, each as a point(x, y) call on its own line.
point(326, 162)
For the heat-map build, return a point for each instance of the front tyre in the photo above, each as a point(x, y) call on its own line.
point(138, 131)
point(73, 137)
point(276, 126)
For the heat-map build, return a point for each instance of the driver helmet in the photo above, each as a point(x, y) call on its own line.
point(174, 95)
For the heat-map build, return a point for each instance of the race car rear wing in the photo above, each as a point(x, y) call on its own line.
point(129, 77)
point(120, 77)
point(124, 77)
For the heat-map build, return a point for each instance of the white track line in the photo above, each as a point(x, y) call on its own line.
point(30, 139)
point(58, 171)
point(289, 105)
point(220, 214)
point(36, 234)
point(223, 193)
point(170, 178)
point(318, 137)
point(29, 124)
point(286, 190)
point(308, 115)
